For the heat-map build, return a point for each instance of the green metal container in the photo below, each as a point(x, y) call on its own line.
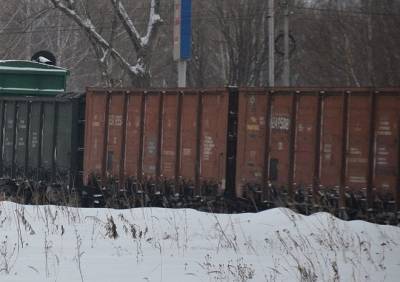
point(31, 78)
point(41, 137)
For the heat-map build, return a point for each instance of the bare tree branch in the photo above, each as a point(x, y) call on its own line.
point(139, 71)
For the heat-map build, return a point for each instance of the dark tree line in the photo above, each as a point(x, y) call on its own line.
point(121, 42)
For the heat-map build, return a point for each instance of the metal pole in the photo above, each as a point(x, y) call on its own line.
point(182, 73)
point(286, 61)
point(271, 43)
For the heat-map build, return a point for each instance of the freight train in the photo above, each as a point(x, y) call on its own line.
point(224, 149)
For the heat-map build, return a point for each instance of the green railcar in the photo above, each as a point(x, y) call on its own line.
point(41, 137)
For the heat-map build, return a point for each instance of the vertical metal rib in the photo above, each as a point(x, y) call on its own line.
point(198, 141)
point(1, 135)
point(231, 142)
point(123, 140)
point(141, 137)
point(398, 167)
point(40, 141)
point(54, 143)
point(105, 137)
point(371, 150)
point(159, 135)
point(343, 160)
point(14, 134)
point(178, 138)
point(292, 145)
point(317, 148)
point(266, 171)
point(28, 125)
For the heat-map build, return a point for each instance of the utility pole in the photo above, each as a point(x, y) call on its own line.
point(370, 62)
point(182, 37)
point(182, 73)
point(286, 47)
point(271, 43)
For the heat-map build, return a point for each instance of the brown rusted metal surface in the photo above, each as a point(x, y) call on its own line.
point(170, 124)
point(317, 148)
point(213, 136)
point(199, 125)
point(371, 148)
point(397, 185)
point(358, 130)
point(387, 145)
point(344, 143)
point(105, 137)
point(266, 170)
point(114, 133)
point(160, 134)
point(292, 143)
point(251, 153)
point(151, 125)
point(305, 138)
point(96, 104)
point(327, 139)
point(123, 140)
point(133, 137)
point(280, 135)
point(189, 127)
point(331, 140)
point(231, 142)
point(178, 138)
point(141, 135)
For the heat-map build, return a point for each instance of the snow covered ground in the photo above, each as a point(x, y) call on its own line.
point(48, 243)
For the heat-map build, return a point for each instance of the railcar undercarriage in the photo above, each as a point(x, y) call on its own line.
point(167, 194)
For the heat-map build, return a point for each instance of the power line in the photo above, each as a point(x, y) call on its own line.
point(199, 17)
point(346, 11)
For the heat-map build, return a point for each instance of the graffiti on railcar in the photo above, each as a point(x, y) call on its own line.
point(280, 122)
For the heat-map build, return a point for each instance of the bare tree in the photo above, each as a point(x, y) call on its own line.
point(105, 49)
point(350, 43)
point(204, 68)
point(242, 35)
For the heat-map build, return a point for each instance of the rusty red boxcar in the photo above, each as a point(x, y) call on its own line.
point(307, 137)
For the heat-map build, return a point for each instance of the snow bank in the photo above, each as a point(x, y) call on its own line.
point(48, 243)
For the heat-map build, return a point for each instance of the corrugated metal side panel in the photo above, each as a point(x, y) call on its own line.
point(251, 138)
point(203, 136)
point(94, 128)
point(21, 138)
point(2, 110)
point(63, 138)
point(34, 138)
point(386, 143)
point(114, 137)
point(331, 140)
point(357, 151)
point(47, 136)
point(213, 136)
point(151, 135)
point(9, 135)
point(305, 138)
point(77, 138)
point(169, 136)
point(87, 143)
point(280, 135)
point(188, 133)
point(132, 149)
